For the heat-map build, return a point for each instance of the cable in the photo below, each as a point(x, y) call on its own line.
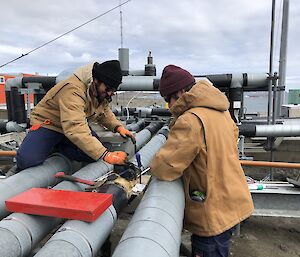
point(127, 110)
point(35, 49)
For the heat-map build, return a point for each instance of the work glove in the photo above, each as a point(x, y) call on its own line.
point(126, 133)
point(117, 157)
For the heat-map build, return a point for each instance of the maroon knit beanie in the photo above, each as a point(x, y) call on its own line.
point(173, 79)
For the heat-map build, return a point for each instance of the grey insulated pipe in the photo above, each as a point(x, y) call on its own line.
point(82, 239)
point(20, 232)
point(136, 126)
point(250, 82)
point(155, 229)
point(39, 176)
point(11, 126)
point(142, 111)
point(145, 135)
point(278, 130)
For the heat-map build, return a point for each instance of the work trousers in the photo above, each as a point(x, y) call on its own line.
point(213, 246)
point(40, 143)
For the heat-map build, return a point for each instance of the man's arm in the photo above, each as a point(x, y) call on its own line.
point(74, 122)
point(180, 150)
point(108, 119)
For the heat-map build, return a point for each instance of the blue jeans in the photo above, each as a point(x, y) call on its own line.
point(39, 144)
point(213, 246)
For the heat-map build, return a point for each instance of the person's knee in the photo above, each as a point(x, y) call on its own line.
point(27, 159)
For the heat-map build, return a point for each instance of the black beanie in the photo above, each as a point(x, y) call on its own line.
point(108, 72)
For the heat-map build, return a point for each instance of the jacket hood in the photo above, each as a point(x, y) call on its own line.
point(84, 73)
point(202, 94)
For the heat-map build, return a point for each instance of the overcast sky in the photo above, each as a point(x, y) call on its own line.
point(203, 36)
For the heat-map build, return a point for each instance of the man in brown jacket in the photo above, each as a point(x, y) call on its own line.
point(202, 149)
point(60, 121)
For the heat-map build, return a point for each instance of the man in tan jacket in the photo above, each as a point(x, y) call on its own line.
point(202, 149)
point(60, 121)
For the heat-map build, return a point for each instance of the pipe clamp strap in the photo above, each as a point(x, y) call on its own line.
point(20, 231)
point(75, 238)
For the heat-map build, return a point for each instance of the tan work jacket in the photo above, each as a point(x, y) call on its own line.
point(70, 108)
point(202, 148)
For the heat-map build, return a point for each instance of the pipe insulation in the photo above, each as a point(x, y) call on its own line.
point(155, 228)
point(136, 126)
point(141, 111)
point(145, 134)
point(277, 130)
point(20, 232)
point(82, 239)
point(39, 176)
point(250, 82)
point(45, 82)
point(11, 126)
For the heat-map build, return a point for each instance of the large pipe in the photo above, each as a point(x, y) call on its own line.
point(136, 83)
point(142, 111)
point(283, 55)
point(251, 82)
point(124, 60)
point(277, 130)
point(17, 103)
point(39, 176)
point(145, 135)
point(155, 229)
point(11, 126)
point(271, 63)
point(82, 239)
point(15, 100)
point(20, 232)
point(136, 126)
point(270, 164)
point(8, 153)
point(45, 82)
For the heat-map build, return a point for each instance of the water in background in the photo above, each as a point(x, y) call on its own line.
point(257, 102)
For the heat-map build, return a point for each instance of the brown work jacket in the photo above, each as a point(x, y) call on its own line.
point(202, 148)
point(70, 108)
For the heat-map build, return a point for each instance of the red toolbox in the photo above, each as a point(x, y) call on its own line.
point(86, 206)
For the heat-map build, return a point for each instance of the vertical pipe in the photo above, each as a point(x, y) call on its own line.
point(124, 60)
point(270, 139)
point(18, 105)
point(271, 61)
point(275, 101)
point(8, 105)
point(283, 54)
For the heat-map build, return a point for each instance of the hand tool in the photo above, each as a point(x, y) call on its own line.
point(74, 179)
point(139, 163)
